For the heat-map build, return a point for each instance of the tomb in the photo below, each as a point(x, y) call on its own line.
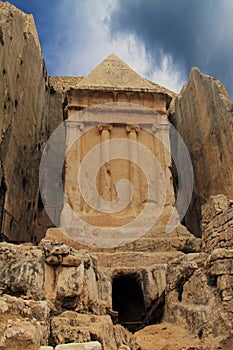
point(118, 185)
point(119, 199)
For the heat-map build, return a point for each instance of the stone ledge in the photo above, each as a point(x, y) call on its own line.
point(95, 345)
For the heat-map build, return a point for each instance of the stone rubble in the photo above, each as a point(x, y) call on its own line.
point(58, 294)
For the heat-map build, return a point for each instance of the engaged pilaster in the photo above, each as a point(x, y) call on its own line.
point(105, 182)
point(134, 175)
point(74, 131)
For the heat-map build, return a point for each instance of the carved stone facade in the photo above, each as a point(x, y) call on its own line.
point(66, 292)
point(137, 117)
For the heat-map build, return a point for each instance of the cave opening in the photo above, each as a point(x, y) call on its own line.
point(128, 300)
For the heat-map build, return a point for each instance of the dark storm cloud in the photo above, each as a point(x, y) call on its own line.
point(194, 32)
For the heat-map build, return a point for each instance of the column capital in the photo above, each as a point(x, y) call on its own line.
point(102, 127)
point(75, 125)
point(132, 128)
point(161, 127)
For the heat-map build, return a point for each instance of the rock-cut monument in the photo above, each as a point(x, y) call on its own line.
point(117, 125)
point(94, 185)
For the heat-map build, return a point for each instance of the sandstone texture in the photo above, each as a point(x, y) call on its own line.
point(55, 295)
point(28, 115)
point(217, 223)
point(174, 291)
point(24, 323)
point(84, 328)
point(45, 295)
point(203, 117)
point(167, 336)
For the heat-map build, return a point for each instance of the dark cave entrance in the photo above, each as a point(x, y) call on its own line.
point(128, 300)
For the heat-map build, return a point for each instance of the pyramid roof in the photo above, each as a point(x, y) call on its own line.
point(115, 74)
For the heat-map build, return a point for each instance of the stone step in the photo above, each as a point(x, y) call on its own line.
point(134, 259)
point(94, 345)
point(177, 240)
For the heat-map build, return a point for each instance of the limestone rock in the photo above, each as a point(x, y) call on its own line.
point(26, 122)
point(74, 327)
point(24, 324)
point(217, 224)
point(199, 296)
point(115, 74)
point(203, 117)
point(62, 84)
point(124, 339)
point(58, 292)
point(70, 285)
point(21, 271)
point(26, 271)
point(94, 345)
point(71, 260)
point(172, 337)
point(215, 205)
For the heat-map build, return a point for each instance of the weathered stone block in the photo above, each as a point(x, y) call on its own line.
point(74, 327)
point(222, 267)
point(21, 270)
point(24, 324)
point(80, 346)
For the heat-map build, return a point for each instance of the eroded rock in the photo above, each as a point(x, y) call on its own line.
point(203, 117)
point(24, 324)
point(27, 119)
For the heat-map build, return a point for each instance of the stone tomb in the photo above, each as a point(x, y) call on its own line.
point(112, 115)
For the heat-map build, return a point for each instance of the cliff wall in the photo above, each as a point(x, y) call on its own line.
point(27, 117)
point(204, 118)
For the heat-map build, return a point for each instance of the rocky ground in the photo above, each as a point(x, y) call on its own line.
point(166, 336)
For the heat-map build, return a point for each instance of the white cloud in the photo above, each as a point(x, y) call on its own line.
point(169, 75)
point(89, 41)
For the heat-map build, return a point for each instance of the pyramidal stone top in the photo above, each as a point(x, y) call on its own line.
point(115, 74)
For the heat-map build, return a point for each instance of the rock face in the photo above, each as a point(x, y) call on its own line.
point(199, 286)
point(55, 295)
point(203, 117)
point(202, 313)
point(24, 323)
point(54, 272)
point(59, 294)
point(45, 293)
point(217, 223)
point(27, 117)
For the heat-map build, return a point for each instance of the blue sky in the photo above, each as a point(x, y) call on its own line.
point(160, 39)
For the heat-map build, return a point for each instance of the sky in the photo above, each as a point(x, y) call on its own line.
point(160, 39)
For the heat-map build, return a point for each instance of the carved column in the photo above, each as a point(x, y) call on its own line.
point(105, 182)
point(159, 154)
point(72, 162)
point(134, 176)
point(162, 131)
